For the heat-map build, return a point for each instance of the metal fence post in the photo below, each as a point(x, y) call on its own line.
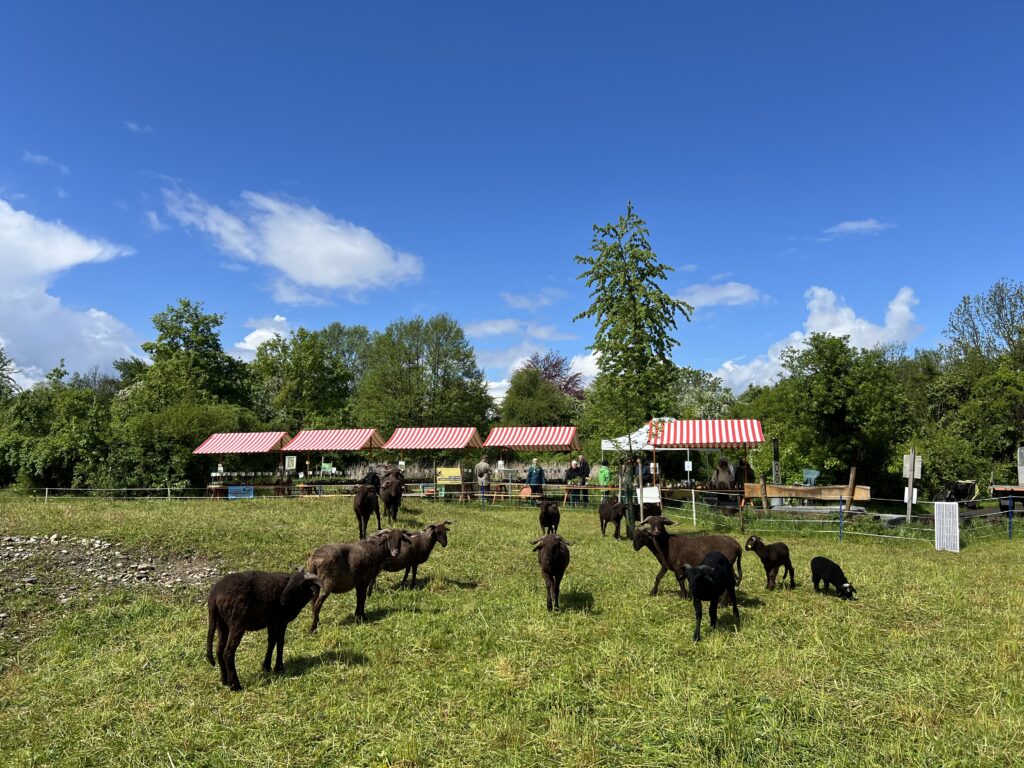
point(46, 498)
point(1011, 516)
point(840, 518)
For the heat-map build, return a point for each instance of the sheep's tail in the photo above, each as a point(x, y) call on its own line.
point(739, 568)
point(209, 634)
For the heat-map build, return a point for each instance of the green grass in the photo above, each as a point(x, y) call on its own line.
point(923, 670)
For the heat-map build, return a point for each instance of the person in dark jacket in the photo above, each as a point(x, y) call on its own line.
point(572, 479)
point(535, 478)
point(584, 478)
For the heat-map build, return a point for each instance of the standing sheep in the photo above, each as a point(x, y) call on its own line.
point(710, 581)
point(676, 550)
point(549, 516)
point(391, 496)
point(414, 555)
point(249, 601)
point(773, 557)
point(342, 567)
point(365, 503)
point(553, 556)
point(611, 511)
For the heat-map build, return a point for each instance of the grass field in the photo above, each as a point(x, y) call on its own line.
point(923, 670)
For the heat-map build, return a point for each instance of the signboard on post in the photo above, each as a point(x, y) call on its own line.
point(1020, 465)
point(947, 526)
point(689, 466)
point(652, 495)
point(450, 475)
point(905, 490)
point(906, 466)
point(289, 463)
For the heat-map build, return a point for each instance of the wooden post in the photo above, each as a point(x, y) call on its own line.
point(910, 483)
point(764, 494)
point(850, 490)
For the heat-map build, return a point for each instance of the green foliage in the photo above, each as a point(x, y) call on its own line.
point(422, 373)
point(990, 323)
point(8, 386)
point(700, 395)
point(533, 401)
point(635, 320)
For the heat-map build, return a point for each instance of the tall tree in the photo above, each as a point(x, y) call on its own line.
point(991, 323)
point(556, 369)
point(8, 386)
point(635, 321)
point(422, 373)
point(534, 401)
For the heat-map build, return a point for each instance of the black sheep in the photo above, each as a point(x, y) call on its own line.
point(673, 551)
point(253, 600)
point(549, 516)
point(611, 511)
point(372, 478)
point(823, 569)
point(773, 557)
point(419, 549)
point(391, 495)
point(553, 555)
point(365, 503)
point(708, 582)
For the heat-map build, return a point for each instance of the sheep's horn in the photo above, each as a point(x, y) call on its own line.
point(447, 522)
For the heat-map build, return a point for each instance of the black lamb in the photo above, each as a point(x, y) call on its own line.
point(553, 555)
point(549, 516)
point(366, 502)
point(773, 557)
point(418, 551)
point(253, 600)
point(823, 569)
point(391, 496)
point(708, 582)
point(611, 511)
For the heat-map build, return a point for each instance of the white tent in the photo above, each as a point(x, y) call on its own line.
point(638, 441)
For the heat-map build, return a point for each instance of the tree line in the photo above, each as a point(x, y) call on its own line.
point(834, 405)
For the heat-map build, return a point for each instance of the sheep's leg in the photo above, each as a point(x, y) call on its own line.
point(739, 568)
point(271, 642)
point(713, 611)
point(697, 618)
point(617, 529)
point(657, 580)
point(681, 579)
point(222, 643)
point(773, 574)
point(279, 667)
point(360, 603)
point(789, 567)
point(362, 526)
point(234, 638)
point(377, 510)
point(319, 601)
point(414, 567)
point(550, 585)
point(735, 607)
point(405, 576)
point(558, 589)
point(604, 524)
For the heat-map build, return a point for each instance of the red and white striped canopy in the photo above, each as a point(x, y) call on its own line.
point(433, 439)
point(335, 440)
point(706, 433)
point(533, 438)
point(243, 442)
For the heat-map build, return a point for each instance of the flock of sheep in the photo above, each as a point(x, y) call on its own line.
point(254, 600)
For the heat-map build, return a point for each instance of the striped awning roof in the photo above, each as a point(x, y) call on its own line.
point(706, 433)
point(433, 439)
point(533, 438)
point(243, 442)
point(335, 440)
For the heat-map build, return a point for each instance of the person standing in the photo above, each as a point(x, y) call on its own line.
point(572, 479)
point(584, 479)
point(535, 478)
point(604, 477)
point(483, 476)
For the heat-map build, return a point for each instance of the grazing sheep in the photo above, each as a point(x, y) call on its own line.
point(773, 557)
point(253, 600)
point(710, 581)
point(365, 503)
point(354, 565)
point(676, 550)
point(391, 495)
point(422, 544)
point(553, 555)
point(823, 569)
point(549, 516)
point(611, 511)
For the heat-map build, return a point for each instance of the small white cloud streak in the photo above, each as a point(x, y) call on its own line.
point(688, 267)
point(826, 313)
point(264, 329)
point(135, 127)
point(33, 158)
point(729, 294)
point(858, 227)
point(154, 221)
point(543, 298)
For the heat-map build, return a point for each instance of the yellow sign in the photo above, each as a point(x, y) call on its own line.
point(449, 475)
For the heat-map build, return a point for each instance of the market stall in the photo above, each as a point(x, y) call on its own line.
point(436, 439)
point(223, 444)
point(323, 441)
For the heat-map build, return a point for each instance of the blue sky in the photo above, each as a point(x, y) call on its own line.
point(852, 168)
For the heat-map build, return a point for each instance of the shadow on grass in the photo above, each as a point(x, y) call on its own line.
point(423, 582)
point(372, 616)
point(576, 600)
point(297, 665)
point(747, 601)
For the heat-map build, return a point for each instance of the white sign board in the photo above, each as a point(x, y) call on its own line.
point(906, 466)
point(401, 464)
point(652, 495)
point(689, 466)
point(947, 526)
point(1020, 465)
point(905, 495)
point(289, 463)
point(501, 465)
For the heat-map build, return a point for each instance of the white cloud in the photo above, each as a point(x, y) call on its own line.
point(688, 267)
point(729, 294)
point(859, 227)
point(60, 192)
point(314, 252)
point(36, 329)
point(501, 327)
point(586, 365)
point(508, 358)
point(42, 160)
point(135, 127)
point(154, 221)
point(498, 389)
point(542, 298)
point(827, 313)
point(264, 329)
